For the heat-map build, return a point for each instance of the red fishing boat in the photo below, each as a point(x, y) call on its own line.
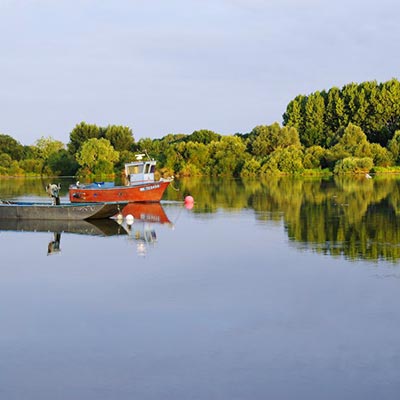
point(140, 186)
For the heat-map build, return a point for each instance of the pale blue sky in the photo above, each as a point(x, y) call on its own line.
point(176, 66)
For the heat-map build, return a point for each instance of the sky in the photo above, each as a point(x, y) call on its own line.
point(176, 66)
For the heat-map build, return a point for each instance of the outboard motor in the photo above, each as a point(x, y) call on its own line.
point(53, 191)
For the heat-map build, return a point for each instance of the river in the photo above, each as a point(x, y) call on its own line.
point(284, 288)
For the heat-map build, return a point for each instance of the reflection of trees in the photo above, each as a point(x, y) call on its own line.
point(357, 218)
point(17, 187)
point(279, 196)
point(210, 194)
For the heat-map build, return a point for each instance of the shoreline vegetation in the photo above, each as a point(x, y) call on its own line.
point(352, 130)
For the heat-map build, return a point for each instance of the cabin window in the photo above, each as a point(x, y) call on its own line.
point(135, 169)
point(152, 168)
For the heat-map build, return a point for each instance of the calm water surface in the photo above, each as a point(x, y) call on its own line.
point(283, 289)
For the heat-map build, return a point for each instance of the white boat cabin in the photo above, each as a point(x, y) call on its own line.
point(138, 172)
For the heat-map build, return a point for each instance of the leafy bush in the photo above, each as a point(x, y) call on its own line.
point(354, 165)
point(32, 166)
point(313, 157)
point(250, 168)
point(5, 160)
point(381, 156)
point(288, 160)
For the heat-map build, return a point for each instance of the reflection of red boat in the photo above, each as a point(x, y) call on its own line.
point(141, 186)
point(141, 228)
point(150, 212)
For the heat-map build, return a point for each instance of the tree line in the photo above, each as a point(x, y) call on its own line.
point(355, 129)
point(91, 150)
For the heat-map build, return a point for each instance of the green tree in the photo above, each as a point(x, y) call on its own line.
point(81, 133)
point(314, 112)
point(250, 168)
point(287, 160)
point(382, 157)
point(361, 106)
point(121, 137)
point(388, 109)
point(264, 139)
point(62, 163)
point(153, 147)
point(394, 147)
point(11, 147)
point(45, 146)
point(197, 155)
point(294, 114)
point(165, 150)
point(125, 157)
point(349, 98)
point(227, 156)
point(353, 143)
point(173, 160)
point(313, 157)
point(29, 152)
point(203, 136)
point(5, 160)
point(97, 156)
point(32, 166)
point(354, 165)
point(334, 117)
point(289, 136)
point(15, 169)
point(43, 149)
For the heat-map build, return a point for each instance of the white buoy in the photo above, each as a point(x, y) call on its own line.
point(129, 219)
point(120, 218)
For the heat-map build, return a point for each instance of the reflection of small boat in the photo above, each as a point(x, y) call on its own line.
point(95, 227)
point(28, 210)
point(141, 186)
point(147, 212)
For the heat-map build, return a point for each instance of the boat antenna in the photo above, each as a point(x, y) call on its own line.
point(147, 154)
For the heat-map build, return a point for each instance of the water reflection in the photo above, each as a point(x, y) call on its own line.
point(354, 217)
point(358, 219)
point(54, 245)
point(350, 216)
point(100, 227)
point(141, 230)
point(96, 227)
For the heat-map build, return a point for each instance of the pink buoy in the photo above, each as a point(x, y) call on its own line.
point(189, 201)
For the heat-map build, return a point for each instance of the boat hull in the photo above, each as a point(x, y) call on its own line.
point(149, 192)
point(45, 211)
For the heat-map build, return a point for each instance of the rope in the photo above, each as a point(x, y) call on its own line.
point(176, 189)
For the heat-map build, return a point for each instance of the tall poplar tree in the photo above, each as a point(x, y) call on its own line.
point(313, 121)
